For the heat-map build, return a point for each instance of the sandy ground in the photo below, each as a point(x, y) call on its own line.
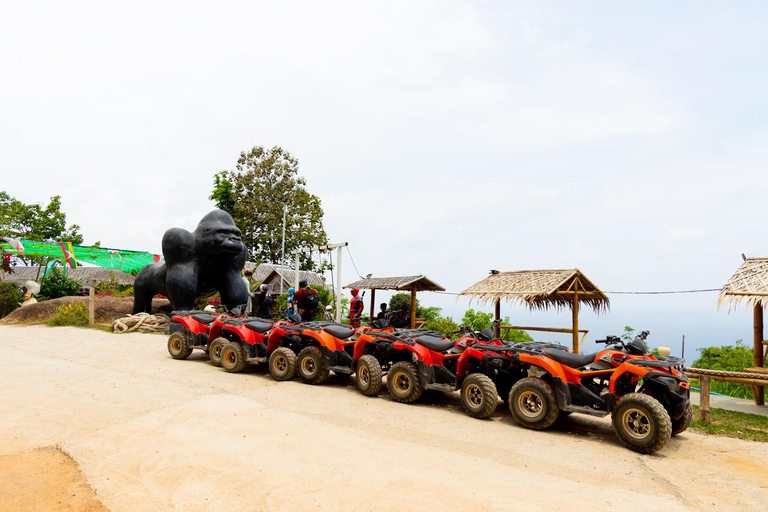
point(152, 433)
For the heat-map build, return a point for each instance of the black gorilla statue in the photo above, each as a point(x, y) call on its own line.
point(196, 265)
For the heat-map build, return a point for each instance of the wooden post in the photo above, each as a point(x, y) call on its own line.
point(413, 307)
point(91, 298)
point(576, 323)
point(704, 399)
point(759, 392)
point(373, 303)
point(497, 318)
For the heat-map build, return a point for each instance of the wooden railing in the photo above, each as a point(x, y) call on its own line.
point(755, 377)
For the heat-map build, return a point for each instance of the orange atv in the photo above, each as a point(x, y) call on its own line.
point(647, 396)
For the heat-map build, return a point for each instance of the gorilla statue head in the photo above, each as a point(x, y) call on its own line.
point(216, 234)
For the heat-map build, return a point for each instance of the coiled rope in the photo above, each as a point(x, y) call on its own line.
point(141, 322)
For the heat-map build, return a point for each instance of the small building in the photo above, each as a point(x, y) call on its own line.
point(413, 284)
point(281, 277)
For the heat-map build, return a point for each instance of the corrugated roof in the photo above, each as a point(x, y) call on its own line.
point(86, 276)
point(420, 283)
point(539, 289)
point(749, 284)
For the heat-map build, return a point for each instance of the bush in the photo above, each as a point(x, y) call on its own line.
point(728, 358)
point(56, 285)
point(444, 325)
point(10, 296)
point(71, 314)
point(112, 288)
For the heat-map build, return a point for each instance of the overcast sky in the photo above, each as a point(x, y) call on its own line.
point(446, 138)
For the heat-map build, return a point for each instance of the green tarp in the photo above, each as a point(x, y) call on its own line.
point(126, 261)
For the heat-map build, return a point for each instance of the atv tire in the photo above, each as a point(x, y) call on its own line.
point(368, 375)
point(478, 396)
point(282, 364)
point(533, 403)
point(214, 350)
point(310, 366)
point(404, 383)
point(683, 422)
point(233, 358)
point(641, 423)
point(178, 345)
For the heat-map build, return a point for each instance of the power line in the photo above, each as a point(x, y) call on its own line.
point(353, 263)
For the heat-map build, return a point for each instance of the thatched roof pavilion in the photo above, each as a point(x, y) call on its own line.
point(541, 289)
point(749, 285)
point(415, 284)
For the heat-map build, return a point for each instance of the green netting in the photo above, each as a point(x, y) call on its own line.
point(126, 261)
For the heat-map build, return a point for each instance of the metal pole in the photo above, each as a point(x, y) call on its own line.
point(282, 253)
point(338, 280)
point(296, 273)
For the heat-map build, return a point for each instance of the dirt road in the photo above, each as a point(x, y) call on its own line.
point(152, 433)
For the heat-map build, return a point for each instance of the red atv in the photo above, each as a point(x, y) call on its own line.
point(311, 350)
point(647, 396)
point(191, 330)
point(245, 341)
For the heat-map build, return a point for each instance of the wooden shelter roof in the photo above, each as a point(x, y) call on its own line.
point(749, 284)
point(539, 289)
point(419, 283)
point(287, 276)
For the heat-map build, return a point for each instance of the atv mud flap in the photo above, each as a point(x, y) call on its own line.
point(435, 374)
point(574, 398)
point(673, 397)
point(338, 360)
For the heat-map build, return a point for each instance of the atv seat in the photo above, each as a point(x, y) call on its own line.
point(569, 358)
point(204, 319)
point(259, 327)
point(436, 344)
point(339, 332)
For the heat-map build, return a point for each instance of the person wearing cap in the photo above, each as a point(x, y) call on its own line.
point(264, 302)
point(30, 289)
point(304, 303)
point(329, 313)
point(356, 308)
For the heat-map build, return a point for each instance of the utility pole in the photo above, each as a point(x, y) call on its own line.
point(338, 247)
point(282, 253)
point(324, 248)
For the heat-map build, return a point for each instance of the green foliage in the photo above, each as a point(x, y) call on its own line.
point(70, 314)
point(429, 314)
point(729, 358)
point(628, 333)
point(56, 285)
point(740, 425)
point(255, 193)
point(477, 320)
point(515, 335)
point(399, 300)
point(444, 325)
point(112, 288)
point(10, 296)
point(36, 222)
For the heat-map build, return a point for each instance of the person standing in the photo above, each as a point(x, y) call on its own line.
point(306, 300)
point(264, 302)
point(290, 305)
point(356, 308)
point(247, 281)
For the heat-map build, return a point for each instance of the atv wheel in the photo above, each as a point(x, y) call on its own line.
point(310, 366)
point(533, 403)
point(683, 422)
point(214, 350)
point(404, 383)
point(282, 364)
point(641, 422)
point(368, 375)
point(478, 395)
point(233, 357)
point(178, 346)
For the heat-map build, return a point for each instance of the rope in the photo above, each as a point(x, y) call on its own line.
point(353, 263)
point(141, 321)
point(724, 373)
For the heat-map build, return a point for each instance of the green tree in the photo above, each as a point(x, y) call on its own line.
point(477, 320)
point(728, 358)
point(36, 222)
point(398, 300)
point(264, 182)
point(10, 297)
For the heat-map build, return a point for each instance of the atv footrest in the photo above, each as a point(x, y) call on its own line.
point(346, 370)
point(586, 410)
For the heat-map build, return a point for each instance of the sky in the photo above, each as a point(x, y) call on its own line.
point(444, 138)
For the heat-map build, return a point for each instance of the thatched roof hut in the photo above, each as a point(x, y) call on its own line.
point(541, 289)
point(414, 284)
point(750, 285)
point(281, 279)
